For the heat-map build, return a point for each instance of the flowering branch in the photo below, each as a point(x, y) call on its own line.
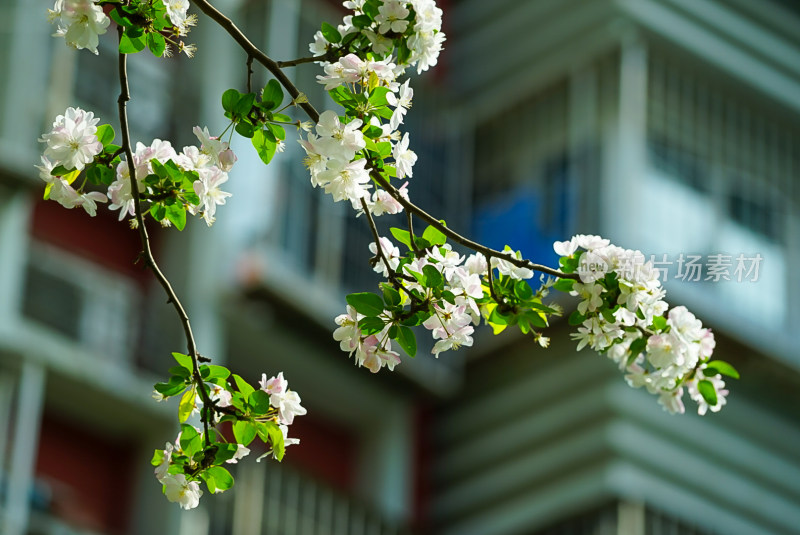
point(275, 68)
point(354, 157)
point(147, 252)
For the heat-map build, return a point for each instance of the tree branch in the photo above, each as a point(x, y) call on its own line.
point(274, 68)
point(147, 252)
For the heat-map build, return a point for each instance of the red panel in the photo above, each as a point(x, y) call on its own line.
point(102, 239)
point(90, 477)
point(326, 451)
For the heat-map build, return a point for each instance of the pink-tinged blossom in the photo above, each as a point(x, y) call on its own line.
point(671, 401)
point(210, 145)
point(79, 22)
point(178, 489)
point(507, 268)
point(288, 405)
point(373, 355)
point(273, 385)
point(348, 334)
point(476, 264)
point(72, 142)
point(456, 339)
point(719, 387)
point(208, 190)
point(161, 470)
point(565, 248)
point(401, 103)
point(390, 252)
point(177, 11)
point(384, 203)
point(404, 158)
point(338, 140)
point(391, 17)
point(346, 180)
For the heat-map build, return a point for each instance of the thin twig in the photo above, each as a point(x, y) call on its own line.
point(273, 67)
point(147, 251)
point(300, 61)
point(414, 247)
point(249, 74)
point(490, 278)
point(252, 50)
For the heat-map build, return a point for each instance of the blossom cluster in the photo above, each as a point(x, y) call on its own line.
point(409, 31)
point(173, 182)
point(445, 292)
point(82, 22)
point(199, 454)
point(345, 150)
point(622, 313)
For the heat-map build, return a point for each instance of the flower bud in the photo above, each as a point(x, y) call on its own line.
point(226, 159)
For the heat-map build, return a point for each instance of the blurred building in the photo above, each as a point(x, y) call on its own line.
point(672, 126)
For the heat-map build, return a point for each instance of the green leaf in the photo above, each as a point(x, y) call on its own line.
point(244, 432)
point(174, 386)
point(129, 44)
point(259, 400)
point(373, 132)
point(210, 483)
point(223, 480)
point(576, 318)
point(330, 33)
point(390, 295)
point(722, 367)
point(191, 441)
point(105, 134)
point(176, 214)
point(158, 211)
point(245, 129)
point(637, 346)
point(342, 96)
point(568, 265)
point(366, 303)
point(370, 325)
point(433, 276)
point(361, 21)
point(186, 405)
point(523, 290)
point(659, 323)
point(229, 100)
point(183, 360)
point(378, 96)
point(564, 285)
point(212, 371)
point(277, 131)
point(407, 340)
point(384, 149)
point(60, 170)
point(264, 146)
point(245, 104)
point(449, 296)
point(272, 97)
point(535, 319)
point(402, 236)
point(156, 43)
point(243, 386)
point(120, 18)
point(158, 457)
point(708, 391)
point(434, 236)
point(224, 452)
point(271, 431)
